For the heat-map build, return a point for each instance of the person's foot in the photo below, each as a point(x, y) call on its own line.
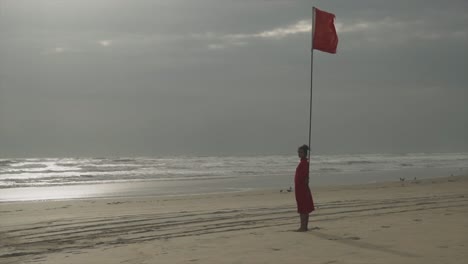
point(301, 229)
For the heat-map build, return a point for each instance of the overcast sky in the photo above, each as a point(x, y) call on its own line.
point(230, 77)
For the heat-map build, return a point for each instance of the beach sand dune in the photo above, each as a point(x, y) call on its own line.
point(418, 222)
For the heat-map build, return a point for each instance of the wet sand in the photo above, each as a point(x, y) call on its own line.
point(421, 221)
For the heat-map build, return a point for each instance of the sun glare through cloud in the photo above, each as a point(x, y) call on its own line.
point(105, 43)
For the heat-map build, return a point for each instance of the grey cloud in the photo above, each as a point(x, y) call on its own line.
point(229, 77)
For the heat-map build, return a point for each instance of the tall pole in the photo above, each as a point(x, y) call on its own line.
point(311, 80)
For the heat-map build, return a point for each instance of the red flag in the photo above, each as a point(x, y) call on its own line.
point(324, 34)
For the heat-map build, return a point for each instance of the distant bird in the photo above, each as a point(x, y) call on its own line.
point(402, 179)
point(290, 189)
point(281, 191)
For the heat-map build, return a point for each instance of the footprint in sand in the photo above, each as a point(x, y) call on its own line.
point(385, 226)
point(275, 249)
point(417, 220)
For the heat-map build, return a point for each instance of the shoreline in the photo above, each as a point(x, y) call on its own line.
point(148, 189)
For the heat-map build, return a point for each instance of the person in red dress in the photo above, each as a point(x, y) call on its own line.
point(305, 204)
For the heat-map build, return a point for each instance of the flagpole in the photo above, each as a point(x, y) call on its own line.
point(311, 81)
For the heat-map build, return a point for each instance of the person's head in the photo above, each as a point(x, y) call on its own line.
point(302, 151)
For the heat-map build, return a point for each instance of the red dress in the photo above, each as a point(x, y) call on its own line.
point(305, 204)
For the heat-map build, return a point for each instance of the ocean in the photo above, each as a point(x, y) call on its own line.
point(67, 178)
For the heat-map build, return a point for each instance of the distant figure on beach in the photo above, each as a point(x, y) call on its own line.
point(305, 203)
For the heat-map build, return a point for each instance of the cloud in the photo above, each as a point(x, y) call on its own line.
point(105, 43)
point(216, 46)
point(77, 47)
point(300, 27)
point(460, 34)
point(387, 29)
point(229, 40)
point(360, 26)
point(58, 50)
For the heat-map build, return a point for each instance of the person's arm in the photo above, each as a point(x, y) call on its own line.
point(304, 173)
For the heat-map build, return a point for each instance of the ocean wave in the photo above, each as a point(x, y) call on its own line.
point(330, 170)
point(246, 172)
point(53, 171)
point(123, 160)
point(37, 173)
point(68, 164)
point(406, 165)
point(30, 166)
point(6, 162)
point(350, 162)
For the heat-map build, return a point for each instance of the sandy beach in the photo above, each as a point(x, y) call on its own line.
point(420, 221)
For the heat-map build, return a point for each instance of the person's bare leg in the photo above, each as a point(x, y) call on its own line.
point(306, 222)
point(303, 227)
